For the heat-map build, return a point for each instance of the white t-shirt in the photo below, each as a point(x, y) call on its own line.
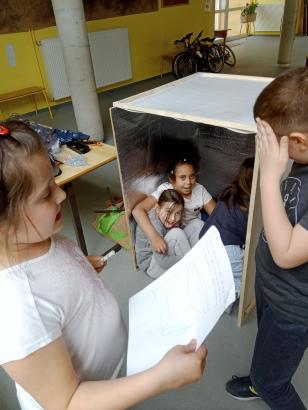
point(199, 197)
point(60, 294)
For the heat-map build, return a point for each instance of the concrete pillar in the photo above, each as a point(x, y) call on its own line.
point(71, 24)
point(288, 30)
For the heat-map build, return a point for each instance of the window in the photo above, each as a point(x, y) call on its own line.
point(227, 15)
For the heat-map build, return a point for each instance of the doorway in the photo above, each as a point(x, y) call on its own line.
point(227, 16)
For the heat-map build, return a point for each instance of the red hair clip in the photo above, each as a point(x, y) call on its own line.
point(4, 131)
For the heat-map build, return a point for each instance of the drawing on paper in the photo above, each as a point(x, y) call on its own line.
point(193, 302)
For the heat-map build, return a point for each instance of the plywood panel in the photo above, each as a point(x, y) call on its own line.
point(215, 99)
point(247, 298)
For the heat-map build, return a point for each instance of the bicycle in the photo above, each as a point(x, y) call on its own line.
point(185, 63)
point(229, 56)
point(213, 57)
point(200, 55)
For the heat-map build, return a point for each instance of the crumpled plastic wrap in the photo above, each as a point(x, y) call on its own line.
point(72, 159)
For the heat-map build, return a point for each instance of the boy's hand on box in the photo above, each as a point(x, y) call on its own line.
point(273, 154)
point(97, 262)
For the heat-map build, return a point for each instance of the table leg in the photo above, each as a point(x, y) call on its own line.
point(77, 222)
point(34, 102)
point(161, 67)
point(47, 102)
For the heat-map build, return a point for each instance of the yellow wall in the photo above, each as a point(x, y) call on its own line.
point(150, 34)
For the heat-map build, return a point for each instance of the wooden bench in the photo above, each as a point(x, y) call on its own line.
point(26, 92)
point(166, 57)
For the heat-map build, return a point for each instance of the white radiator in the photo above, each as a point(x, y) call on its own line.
point(110, 55)
point(269, 17)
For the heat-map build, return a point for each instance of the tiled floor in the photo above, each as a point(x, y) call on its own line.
point(230, 348)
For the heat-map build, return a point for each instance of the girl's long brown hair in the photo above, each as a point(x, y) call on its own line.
point(17, 178)
point(238, 192)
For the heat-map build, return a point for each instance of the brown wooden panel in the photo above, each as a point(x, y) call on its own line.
point(247, 298)
point(17, 16)
point(167, 3)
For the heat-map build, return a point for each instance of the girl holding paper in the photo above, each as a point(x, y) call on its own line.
point(62, 335)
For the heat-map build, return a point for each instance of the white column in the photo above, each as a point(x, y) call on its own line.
point(288, 30)
point(71, 25)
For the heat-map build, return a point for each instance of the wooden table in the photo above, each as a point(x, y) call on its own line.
point(26, 92)
point(96, 158)
point(222, 34)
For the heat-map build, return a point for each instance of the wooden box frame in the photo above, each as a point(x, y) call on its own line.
point(247, 93)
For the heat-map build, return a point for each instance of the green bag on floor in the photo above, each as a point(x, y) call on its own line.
point(113, 225)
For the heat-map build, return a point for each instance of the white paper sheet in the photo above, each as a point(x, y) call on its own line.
point(182, 304)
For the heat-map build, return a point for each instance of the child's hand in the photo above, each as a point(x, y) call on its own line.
point(274, 155)
point(159, 245)
point(97, 263)
point(182, 365)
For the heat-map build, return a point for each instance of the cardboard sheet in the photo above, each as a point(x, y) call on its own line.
point(216, 99)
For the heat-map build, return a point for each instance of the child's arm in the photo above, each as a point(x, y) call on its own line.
point(48, 375)
point(209, 206)
point(288, 244)
point(140, 213)
point(207, 200)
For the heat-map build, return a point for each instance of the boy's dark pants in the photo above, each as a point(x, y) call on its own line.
point(279, 348)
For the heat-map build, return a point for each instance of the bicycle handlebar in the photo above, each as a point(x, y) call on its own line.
point(184, 39)
point(197, 42)
point(199, 35)
point(187, 38)
point(208, 39)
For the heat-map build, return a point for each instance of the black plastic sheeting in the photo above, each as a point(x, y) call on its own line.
point(149, 145)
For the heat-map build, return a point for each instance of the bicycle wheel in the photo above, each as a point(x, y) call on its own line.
point(183, 65)
point(215, 59)
point(229, 56)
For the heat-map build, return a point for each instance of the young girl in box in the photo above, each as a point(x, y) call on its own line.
point(182, 178)
point(230, 218)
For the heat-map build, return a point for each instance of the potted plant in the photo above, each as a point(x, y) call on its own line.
point(248, 13)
